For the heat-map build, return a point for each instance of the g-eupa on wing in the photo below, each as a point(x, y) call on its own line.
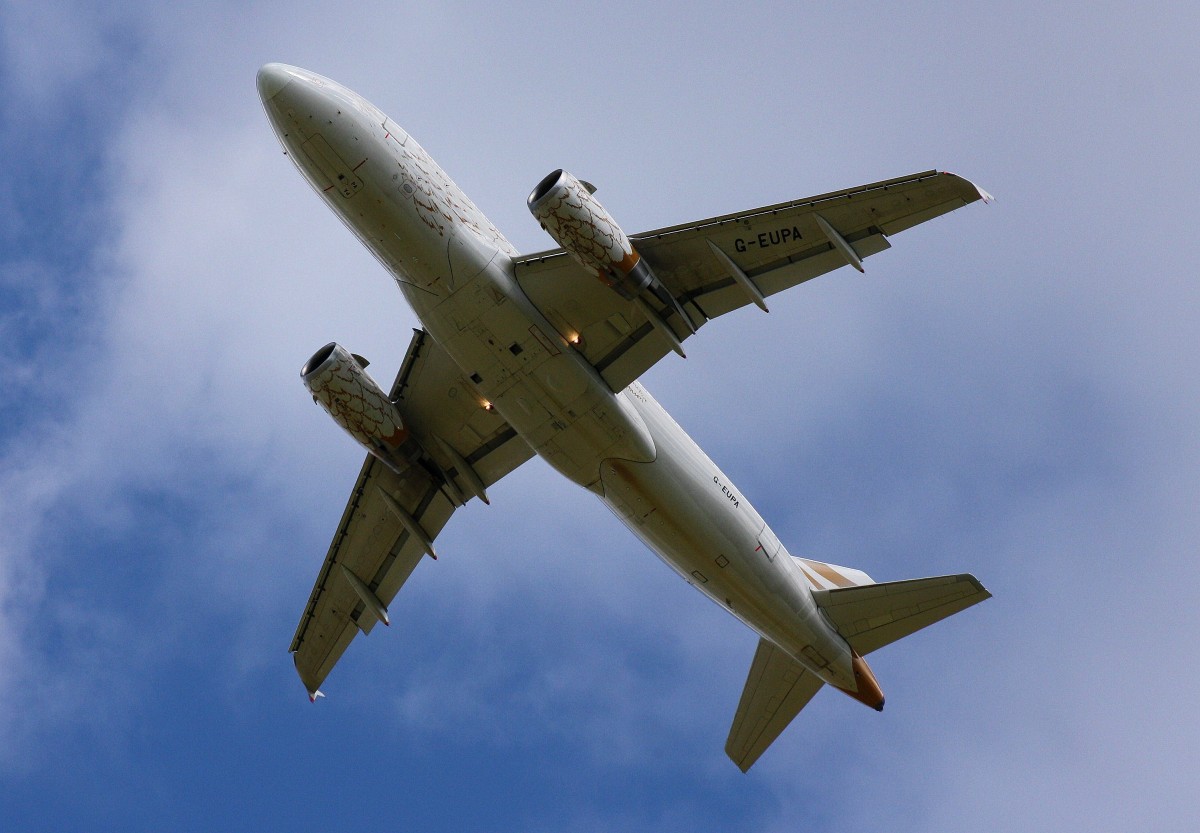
point(670, 281)
point(431, 447)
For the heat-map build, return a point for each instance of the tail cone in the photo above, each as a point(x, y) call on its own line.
point(868, 691)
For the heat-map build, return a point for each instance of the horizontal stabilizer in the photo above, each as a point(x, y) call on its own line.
point(777, 688)
point(875, 615)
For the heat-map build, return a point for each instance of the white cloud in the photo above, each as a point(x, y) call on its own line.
point(52, 48)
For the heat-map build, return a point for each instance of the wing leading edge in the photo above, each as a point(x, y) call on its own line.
point(390, 520)
point(717, 265)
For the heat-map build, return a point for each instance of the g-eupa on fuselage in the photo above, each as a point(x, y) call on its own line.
point(540, 354)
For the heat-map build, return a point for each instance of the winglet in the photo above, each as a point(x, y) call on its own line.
point(313, 695)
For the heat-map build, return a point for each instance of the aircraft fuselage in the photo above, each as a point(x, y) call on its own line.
point(456, 271)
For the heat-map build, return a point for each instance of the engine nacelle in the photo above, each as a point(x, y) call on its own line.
point(336, 379)
point(568, 211)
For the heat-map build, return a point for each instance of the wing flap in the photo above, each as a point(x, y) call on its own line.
point(777, 688)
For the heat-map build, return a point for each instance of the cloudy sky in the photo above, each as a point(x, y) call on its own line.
point(1012, 390)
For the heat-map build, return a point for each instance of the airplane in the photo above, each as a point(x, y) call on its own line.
point(541, 354)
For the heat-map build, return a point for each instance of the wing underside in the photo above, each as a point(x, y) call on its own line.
point(390, 520)
point(714, 266)
point(375, 547)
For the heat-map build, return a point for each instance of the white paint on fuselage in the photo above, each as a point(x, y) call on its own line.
point(455, 269)
point(680, 506)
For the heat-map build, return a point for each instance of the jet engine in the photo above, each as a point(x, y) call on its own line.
point(337, 379)
point(570, 213)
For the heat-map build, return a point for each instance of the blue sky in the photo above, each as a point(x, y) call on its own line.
point(1012, 390)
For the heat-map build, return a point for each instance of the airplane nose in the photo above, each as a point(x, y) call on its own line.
point(271, 79)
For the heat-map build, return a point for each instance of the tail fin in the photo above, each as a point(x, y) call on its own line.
point(873, 615)
point(822, 576)
point(868, 616)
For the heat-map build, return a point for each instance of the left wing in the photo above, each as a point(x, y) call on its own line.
point(720, 264)
point(390, 520)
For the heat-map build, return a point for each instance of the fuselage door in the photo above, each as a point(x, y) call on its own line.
point(336, 173)
point(769, 543)
point(394, 131)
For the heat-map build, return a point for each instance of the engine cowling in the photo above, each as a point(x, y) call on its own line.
point(569, 212)
point(338, 381)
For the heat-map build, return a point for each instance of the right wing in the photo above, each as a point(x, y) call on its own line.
point(777, 688)
point(716, 265)
point(374, 549)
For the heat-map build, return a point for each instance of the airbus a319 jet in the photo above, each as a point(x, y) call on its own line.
point(541, 354)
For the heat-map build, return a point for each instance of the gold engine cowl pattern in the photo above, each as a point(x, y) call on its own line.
point(567, 210)
point(337, 380)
